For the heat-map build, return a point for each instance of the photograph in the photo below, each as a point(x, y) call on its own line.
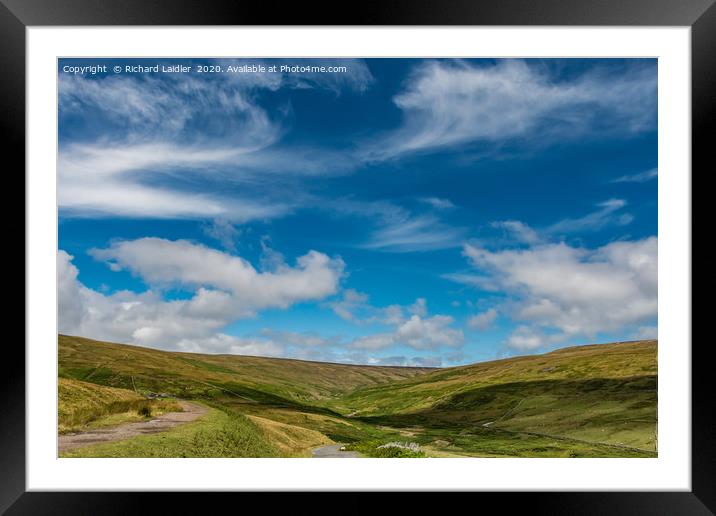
point(353, 258)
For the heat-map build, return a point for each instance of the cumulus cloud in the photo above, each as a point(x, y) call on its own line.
point(482, 321)
point(420, 307)
point(225, 288)
point(222, 231)
point(179, 262)
point(565, 291)
point(196, 324)
point(417, 332)
point(350, 305)
point(410, 325)
point(447, 103)
point(524, 338)
point(428, 332)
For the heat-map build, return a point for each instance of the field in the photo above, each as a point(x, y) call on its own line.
point(84, 405)
point(586, 401)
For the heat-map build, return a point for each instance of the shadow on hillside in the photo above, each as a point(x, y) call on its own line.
point(604, 400)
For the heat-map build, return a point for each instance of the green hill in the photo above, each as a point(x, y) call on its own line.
point(586, 401)
point(193, 375)
point(599, 394)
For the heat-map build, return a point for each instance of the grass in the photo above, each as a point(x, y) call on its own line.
point(377, 449)
point(219, 433)
point(290, 440)
point(85, 406)
point(191, 375)
point(586, 401)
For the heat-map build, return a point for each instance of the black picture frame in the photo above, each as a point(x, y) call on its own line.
point(700, 15)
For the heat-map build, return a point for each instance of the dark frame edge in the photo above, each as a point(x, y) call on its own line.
point(702, 500)
point(12, 382)
point(703, 125)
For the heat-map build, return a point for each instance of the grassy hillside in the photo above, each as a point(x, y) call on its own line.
point(587, 401)
point(441, 387)
point(83, 405)
point(602, 394)
point(190, 375)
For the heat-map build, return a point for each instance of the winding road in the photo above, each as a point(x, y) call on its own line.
point(333, 451)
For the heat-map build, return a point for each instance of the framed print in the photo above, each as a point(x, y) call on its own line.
point(444, 249)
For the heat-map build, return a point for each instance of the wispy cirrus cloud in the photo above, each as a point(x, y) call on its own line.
point(394, 228)
point(418, 233)
point(114, 180)
point(641, 177)
point(450, 103)
point(519, 230)
point(438, 203)
point(609, 213)
point(144, 138)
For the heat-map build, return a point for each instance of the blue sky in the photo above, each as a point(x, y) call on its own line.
point(393, 211)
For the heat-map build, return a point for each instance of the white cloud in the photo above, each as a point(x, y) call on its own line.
point(169, 104)
point(109, 179)
point(391, 315)
point(473, 280)
point(165, 262)
point(351, 303)
point(484, 320)
point(377, 341)
point(524, 338)
point(306, 339)
point(70, 307)
point(574, 291)
point(225, 288)
point(452, 103)
point(428, 332)
point(229, 344)
point(519, 230)
point(421, 233)
point(155, 134)
point(418, 332)
point(222, 294)
point(404, 361)
point(396, 229)
point(420, 307)
point(642, 177)
point(410, 325)
point(606, 215)
point(438, 203)
point(223, 232)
